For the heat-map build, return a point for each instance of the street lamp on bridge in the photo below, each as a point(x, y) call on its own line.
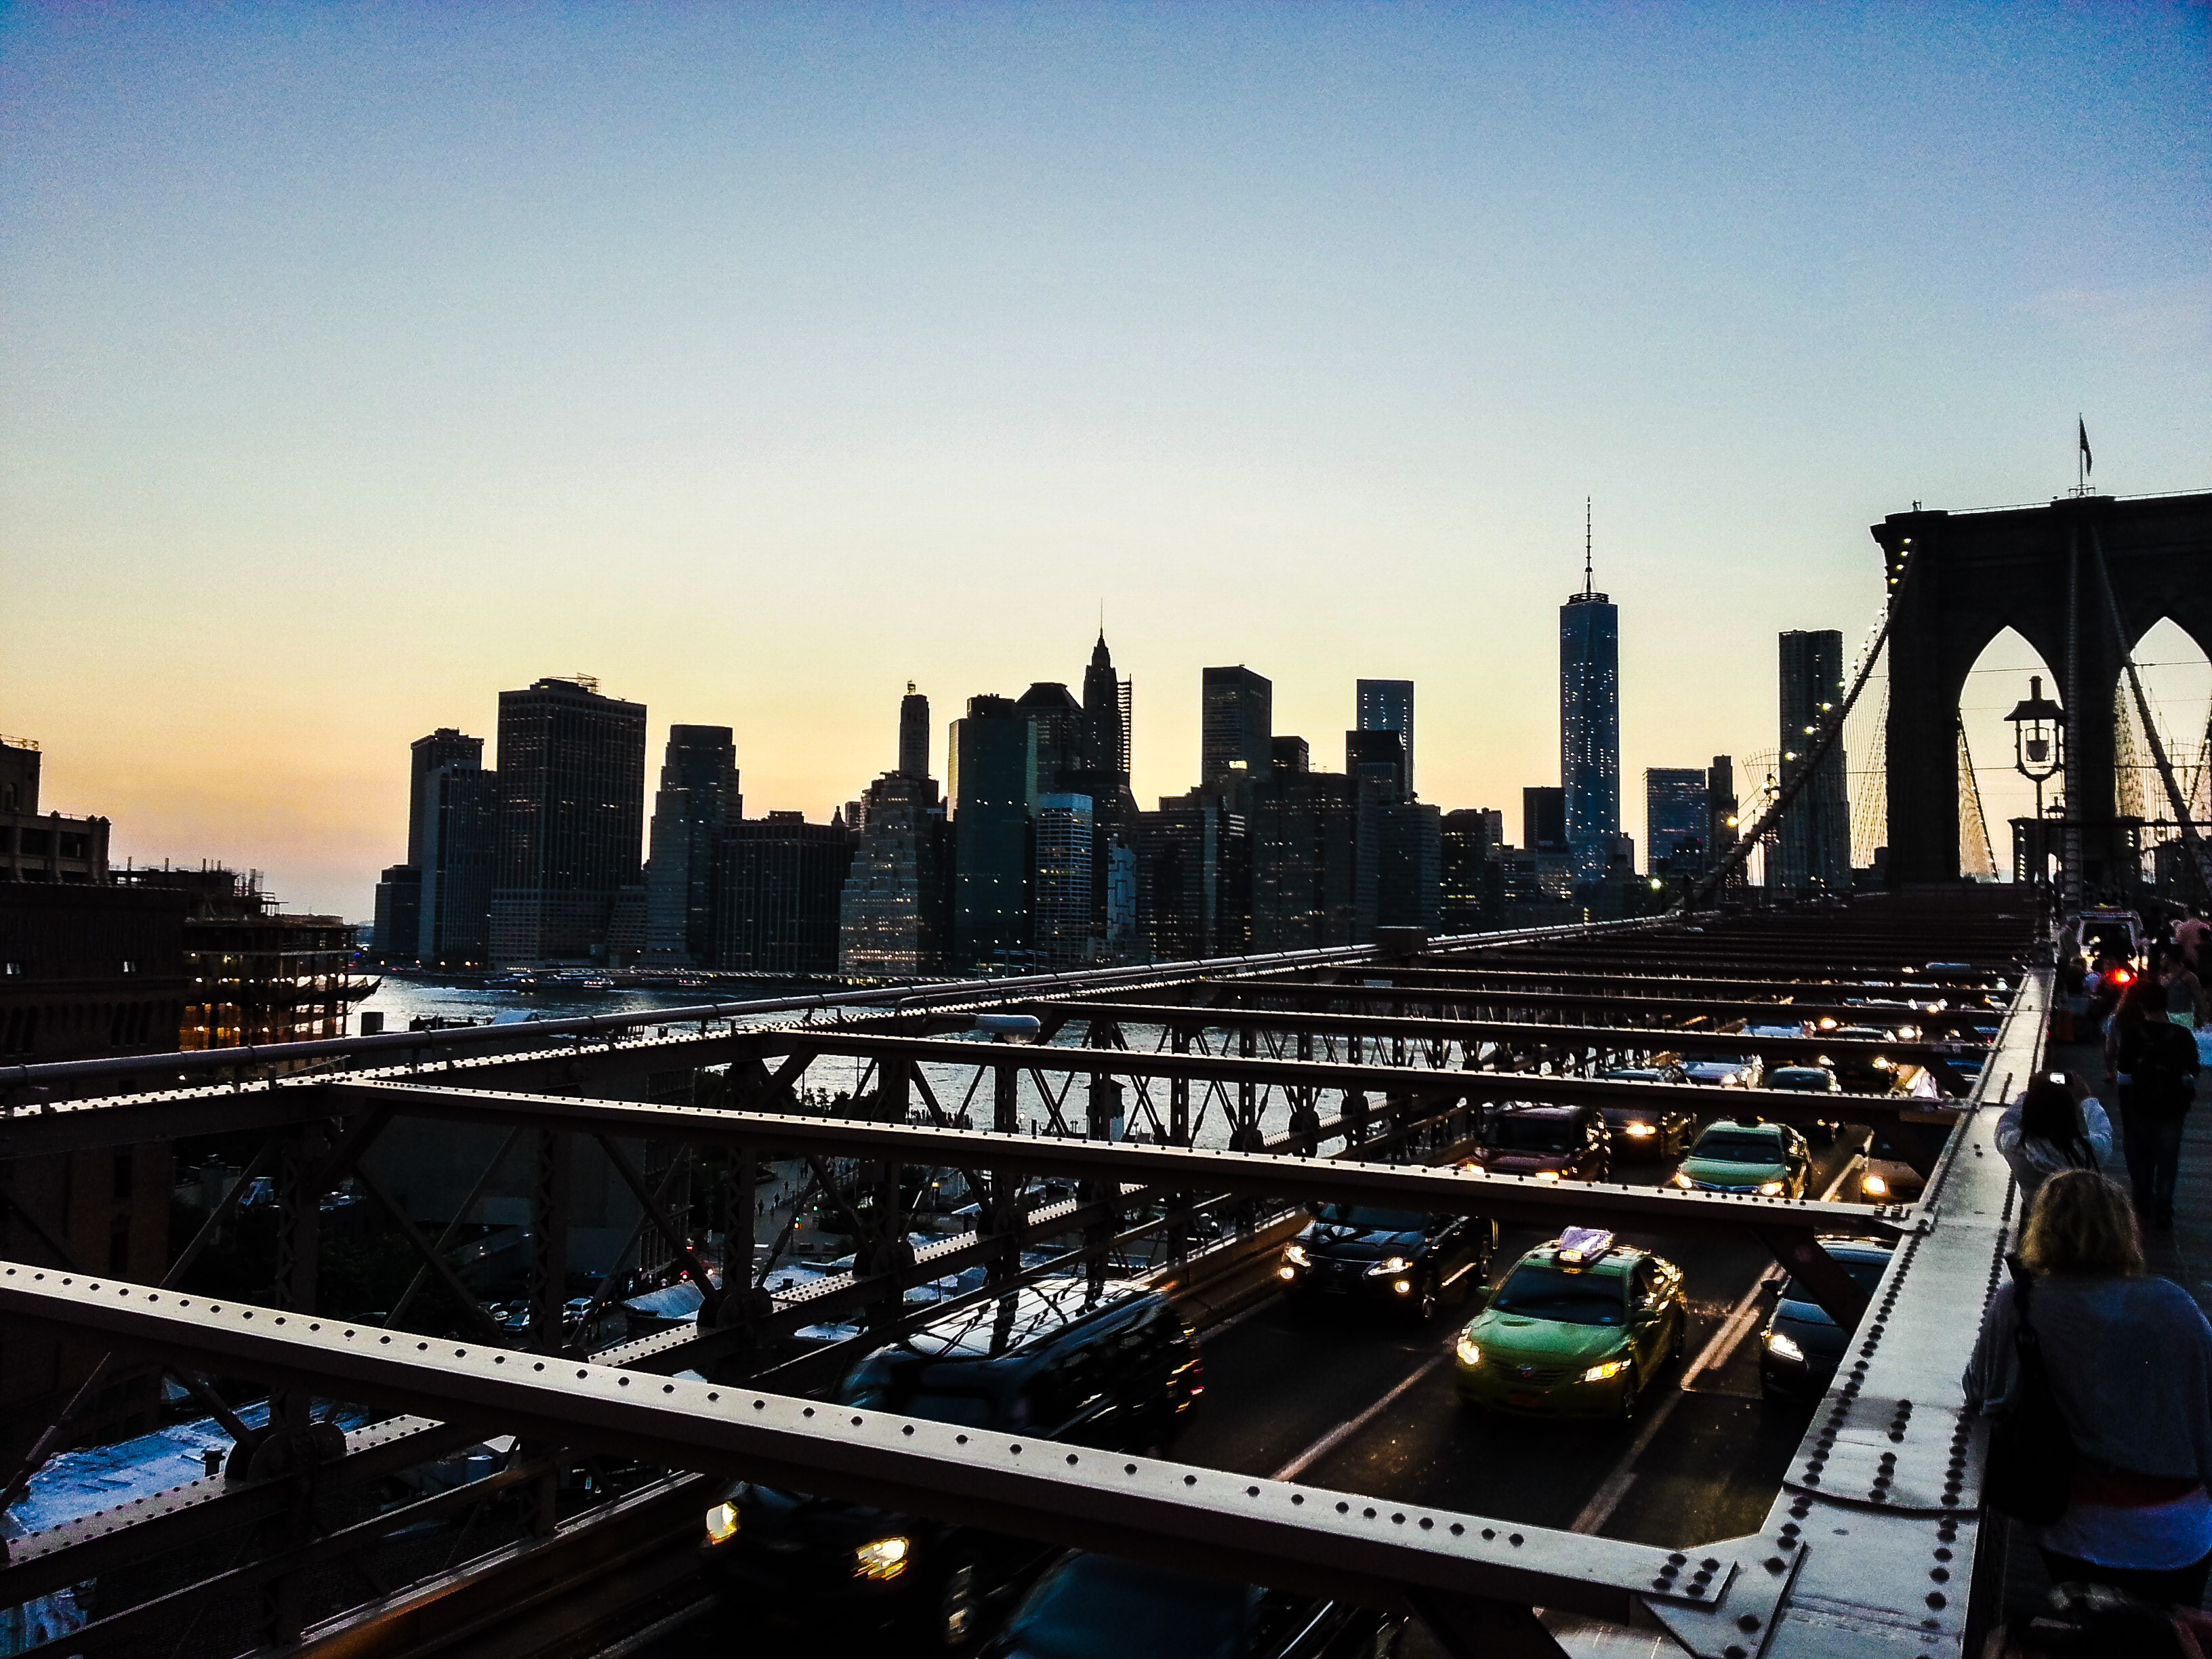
point(2038, 749)
point(2038, 734)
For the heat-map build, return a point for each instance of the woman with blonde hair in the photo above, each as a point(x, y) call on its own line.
point(2129, 1362)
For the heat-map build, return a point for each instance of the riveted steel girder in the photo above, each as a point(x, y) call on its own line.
point(1266, 1532)
point(1528, 1033)
point(1443, 1190)
point(1671, 1009)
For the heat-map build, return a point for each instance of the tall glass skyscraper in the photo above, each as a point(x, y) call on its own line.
point(993, 760)
point(1388, 705)
point(1589, 723)
point(1677, 819)
point(1813, 844)
point(571, 819)
point(698, 799)
point(1237, 723)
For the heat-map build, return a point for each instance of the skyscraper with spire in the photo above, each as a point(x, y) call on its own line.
point(1106, 709)
point(1589, 718)
point(1107, 702)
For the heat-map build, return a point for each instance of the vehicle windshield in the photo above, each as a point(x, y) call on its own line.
point(1373, 1221)
point(1095, 1607)
point(1797, 1078)
point(1864, 1274)
point(1738, 1149)
point(1565, 1298)
point(1528, 1134)
point(1712, 1059)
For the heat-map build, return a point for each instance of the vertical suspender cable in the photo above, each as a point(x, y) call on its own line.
point(2192, 844)
point(2070, 887)
point(1831, 733)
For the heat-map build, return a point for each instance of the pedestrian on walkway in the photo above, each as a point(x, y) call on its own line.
point(2193, 935)
point(2053, 1126)
point(2153, 1063)
point(2129, 1362)
point(2185, 1003)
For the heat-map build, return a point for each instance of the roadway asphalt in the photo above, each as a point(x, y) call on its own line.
point(1365, 1403)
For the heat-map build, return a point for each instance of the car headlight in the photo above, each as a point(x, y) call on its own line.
point(1600, 1373)
point(1882, 1063)
point(1640, 1130)
point(1548, 1175)
point(881, 1559)
point(1769, 1189)
point(721, 1523)
point(1876, 1185)
point(1681, 1180)
point(1469, 1352)
point(1296, 1257)
point(1783, 1348)
point(1388, 1264)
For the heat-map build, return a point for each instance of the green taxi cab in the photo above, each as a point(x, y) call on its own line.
point(1771, 1159)
point(1575, 1330)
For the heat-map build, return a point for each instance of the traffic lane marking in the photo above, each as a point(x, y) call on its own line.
point(1343, 1431)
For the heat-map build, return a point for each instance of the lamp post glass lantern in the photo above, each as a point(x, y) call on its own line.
point(2038, 739)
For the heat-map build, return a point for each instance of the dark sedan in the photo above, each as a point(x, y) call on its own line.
point(1548, 1143)
point(1801, 1346)
point(1400, 1259)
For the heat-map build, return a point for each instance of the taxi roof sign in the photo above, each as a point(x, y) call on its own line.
point(1583, 1244)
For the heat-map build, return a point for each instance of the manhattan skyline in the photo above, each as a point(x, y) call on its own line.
point(364, 363)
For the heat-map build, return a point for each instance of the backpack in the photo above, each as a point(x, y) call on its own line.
point(2029, 1473)
point(2165, 1073)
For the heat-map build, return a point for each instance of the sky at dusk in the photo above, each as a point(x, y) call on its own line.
point(361, 361)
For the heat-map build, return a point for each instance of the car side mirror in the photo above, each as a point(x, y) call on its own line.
point(1478, 1298)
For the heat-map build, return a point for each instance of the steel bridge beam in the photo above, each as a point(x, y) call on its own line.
point(1506, 971)
point(1274, 1533)
point(1789, 1226)
point(455, 1039)
point(1646, 1039)
point(125, 1120)
point(1782, 1106)
point(1669, 1008)
point(1891, 1464)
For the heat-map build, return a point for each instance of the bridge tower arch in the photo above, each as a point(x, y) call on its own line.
point(1958, 580)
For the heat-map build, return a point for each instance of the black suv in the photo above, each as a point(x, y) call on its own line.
point(1116, 1371)
point(1549, 1143)
point(1095, 1604)
point(1400, 1259)
point(1653, 1128)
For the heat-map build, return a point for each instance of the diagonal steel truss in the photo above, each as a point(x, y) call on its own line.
point(1891, 1464)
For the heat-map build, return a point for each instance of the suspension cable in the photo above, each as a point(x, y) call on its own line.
point(2192, 844)
point(1830, 733)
